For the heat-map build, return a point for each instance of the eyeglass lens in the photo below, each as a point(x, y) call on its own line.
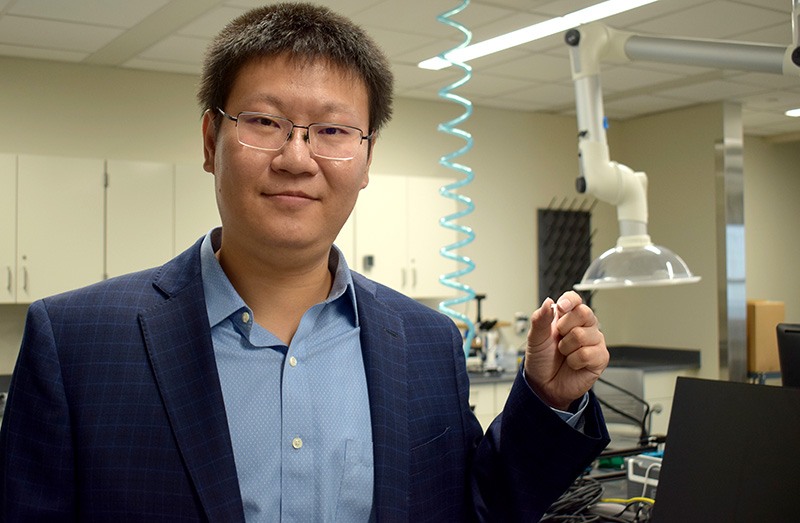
point(271, 132)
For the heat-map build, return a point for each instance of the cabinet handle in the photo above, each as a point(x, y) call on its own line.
point(414, 278)
point(25, 279)
point(10, 275)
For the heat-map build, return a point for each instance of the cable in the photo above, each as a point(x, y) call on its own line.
point(628, 501)
point(644, 435)
point(647, 475)
point(449, 279)
point(574, 504)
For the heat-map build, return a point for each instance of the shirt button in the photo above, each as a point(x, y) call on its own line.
point(297, 443)
point(245, 317)
point(293, 361)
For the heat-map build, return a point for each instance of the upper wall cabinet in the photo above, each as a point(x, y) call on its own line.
point(398, 236)
point(59, 231)
point(8, 228)
point(139, 218)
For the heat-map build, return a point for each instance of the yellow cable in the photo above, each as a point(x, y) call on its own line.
point(626, 501)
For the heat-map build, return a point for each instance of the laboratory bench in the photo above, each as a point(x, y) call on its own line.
point(650, 371)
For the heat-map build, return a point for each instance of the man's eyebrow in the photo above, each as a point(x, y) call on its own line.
point(332, 107)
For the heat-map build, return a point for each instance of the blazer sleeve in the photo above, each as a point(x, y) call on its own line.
point(529, 456)
point(37, 475)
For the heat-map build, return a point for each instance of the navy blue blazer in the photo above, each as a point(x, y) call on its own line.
point(115, 414)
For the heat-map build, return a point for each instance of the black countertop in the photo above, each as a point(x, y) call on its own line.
point(653, 358)
point(649, 359)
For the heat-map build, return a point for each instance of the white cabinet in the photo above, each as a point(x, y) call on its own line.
point(8, 228)
point(139, 216)
point(488, 399)
point(195, 205)
point(60, 216)
point(398, 236)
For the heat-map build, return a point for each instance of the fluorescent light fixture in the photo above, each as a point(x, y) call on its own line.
point(794, 113)
point(535, 32)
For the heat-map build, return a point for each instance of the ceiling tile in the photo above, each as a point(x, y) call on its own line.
point(162, 66)
point(716, 19)
point(551, 94)
point(395, 43)
point(770, 81)
point(58, 55)
point(639, 105)
point(490, 85)
point(415, 56)
point(68, 36)
point(623, 78)
point(779, 34)
point(563, 7)
point(531, 77)
point(783, 6)
point(181, 49)
point(211, 23)
point(711, 91)
point(420, 20)
point(534, 67)
point(649, 12)
point(411, 77)
point(117, 13)
point(508, 23)
point(521, 5)
point(777, 101)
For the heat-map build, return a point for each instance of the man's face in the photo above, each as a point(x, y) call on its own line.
point(287, 199)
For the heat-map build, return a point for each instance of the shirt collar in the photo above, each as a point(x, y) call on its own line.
point(222, 300)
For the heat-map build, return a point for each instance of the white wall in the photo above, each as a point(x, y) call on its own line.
point(772, 217)
point(676, 150)
point(521, 162)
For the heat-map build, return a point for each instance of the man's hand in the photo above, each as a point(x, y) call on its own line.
point(566, 351)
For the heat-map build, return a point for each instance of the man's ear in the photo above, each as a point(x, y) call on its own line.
point(370, 152)
point(209, 141)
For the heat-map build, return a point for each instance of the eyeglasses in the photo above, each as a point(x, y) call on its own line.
point(268, 132)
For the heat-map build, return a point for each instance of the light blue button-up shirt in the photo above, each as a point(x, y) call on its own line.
point(299, 415)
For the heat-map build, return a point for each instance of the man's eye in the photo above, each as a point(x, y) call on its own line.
point(333, 131)
point(261, 122)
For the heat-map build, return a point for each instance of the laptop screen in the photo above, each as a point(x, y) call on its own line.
point(732, 454)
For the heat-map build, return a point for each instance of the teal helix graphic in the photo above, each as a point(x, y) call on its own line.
point(447, 191)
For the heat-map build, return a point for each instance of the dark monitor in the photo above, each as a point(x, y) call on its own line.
point(731, 454)
point(789, 353)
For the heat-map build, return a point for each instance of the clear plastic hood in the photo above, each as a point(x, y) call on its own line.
point(636, 266)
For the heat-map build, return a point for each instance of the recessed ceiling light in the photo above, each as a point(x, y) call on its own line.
point(794, 113)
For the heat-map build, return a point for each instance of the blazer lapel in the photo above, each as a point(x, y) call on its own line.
point(179, 346)
point(383, 347)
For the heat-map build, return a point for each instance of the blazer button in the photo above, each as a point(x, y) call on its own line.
point(297, 443)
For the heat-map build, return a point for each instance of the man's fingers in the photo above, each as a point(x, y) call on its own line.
point(593, 358)
point(541, 323)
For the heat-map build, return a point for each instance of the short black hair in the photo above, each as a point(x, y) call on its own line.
point(304, 32)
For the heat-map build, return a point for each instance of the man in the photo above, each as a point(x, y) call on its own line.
point(254, 376)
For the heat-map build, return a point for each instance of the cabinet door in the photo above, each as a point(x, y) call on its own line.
point(60, 225)
point(426, 237)
point(8, 228)
point(195, 205)
point(139, 216)
point(381, 231)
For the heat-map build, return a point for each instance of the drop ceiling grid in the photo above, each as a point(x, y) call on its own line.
point(534, 76)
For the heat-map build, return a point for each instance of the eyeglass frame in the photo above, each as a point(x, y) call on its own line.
point(306, 136)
